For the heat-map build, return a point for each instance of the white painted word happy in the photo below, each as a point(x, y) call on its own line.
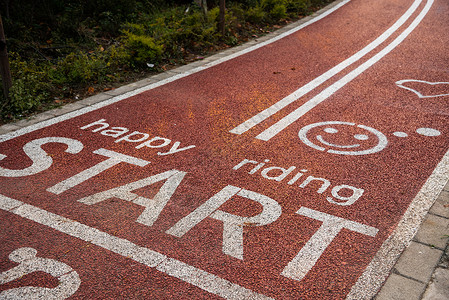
point(123, 134)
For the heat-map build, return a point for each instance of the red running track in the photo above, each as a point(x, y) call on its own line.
point(165, 194)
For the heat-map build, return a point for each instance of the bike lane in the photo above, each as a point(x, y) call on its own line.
point(280, 217)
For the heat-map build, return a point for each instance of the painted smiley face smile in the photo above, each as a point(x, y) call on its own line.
point(360, 137)
point(368, 142)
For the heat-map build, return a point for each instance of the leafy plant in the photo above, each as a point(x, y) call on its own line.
point(140, 49)
point(80, 67)
point(255, 14)
point(29, 89)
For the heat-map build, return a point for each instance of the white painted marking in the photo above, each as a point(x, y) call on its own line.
point(22, 131)
point(428, 132)
point(208, 282)
point(400, 134)
point(361, 137)
point(175, 149)
point(400, 84)
point(302, 91)
point(322, 141)
point(232, 224)
point(330, 130)
point(197, 277)
point(103, 128)
point(381, 144)
point(154, 206)
point(309, 254)
point(69, 280)
point(41, 161)
point(114, 159)
point(203, 211)
point(350, 195)
point(329, 91)
point(379, 268)
point(345, 200)
point(155, 142)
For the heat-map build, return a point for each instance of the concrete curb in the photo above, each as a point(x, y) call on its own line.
point(422, 270)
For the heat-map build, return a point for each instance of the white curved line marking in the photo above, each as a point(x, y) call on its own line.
point(306, 107)
point(69, 280)
point(382, 143)
point(401, 82)
point(263, 115)
point(320, 138)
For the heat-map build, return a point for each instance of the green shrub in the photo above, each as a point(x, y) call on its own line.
point(255, 15)
point(178, 31)
point(141, 49)
point(80, 67)
point(269, 5)
point(298, 7)
point(25, 96)
point(318, 3)
point(278, 12)
point(29, 88)
point(195, 31)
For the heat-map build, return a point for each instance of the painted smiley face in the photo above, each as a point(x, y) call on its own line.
point(343, 138)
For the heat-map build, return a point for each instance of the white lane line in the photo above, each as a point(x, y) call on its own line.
point(175, 268)
point(379, 268)
point(265, 114)
point(306, 107)
point(46, 123)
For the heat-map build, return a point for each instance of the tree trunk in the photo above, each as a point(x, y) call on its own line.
point(203, 5)
point(4, 63)
point(221, 22)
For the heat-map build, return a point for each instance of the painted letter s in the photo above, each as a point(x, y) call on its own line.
point(41, 161)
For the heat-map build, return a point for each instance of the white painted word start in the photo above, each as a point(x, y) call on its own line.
point(233, 225)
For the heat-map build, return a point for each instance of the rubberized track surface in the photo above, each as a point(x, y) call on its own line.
point(281, 173)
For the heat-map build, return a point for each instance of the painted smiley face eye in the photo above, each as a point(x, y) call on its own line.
point(361, 137)
point(330, 130)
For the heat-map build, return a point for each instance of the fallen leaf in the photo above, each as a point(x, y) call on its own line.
point(249, 224)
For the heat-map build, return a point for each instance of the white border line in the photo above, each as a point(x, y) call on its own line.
point(276, 128)
point(175, 268)
point(22, 131)
point(305, 89)
point(377, 271)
